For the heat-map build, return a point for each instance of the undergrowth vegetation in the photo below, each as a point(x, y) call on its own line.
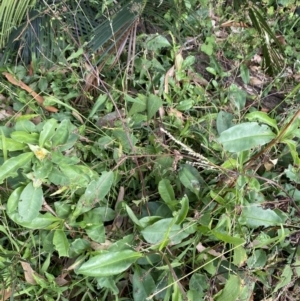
point(167, 171)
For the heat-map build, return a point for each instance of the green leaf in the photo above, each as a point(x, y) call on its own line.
point(285, 278)
point(142, 289)
point(11, 166)
point(190, 178)
point(162, 230)
point(62, 133)
point(42, 221)
point(231, 291)
point(224, 121)
point(12, 145)
point(75, 175)
point(227, 238)
point(139, 104)
point(25, 125)
point(245, 136)
point(95, 192)
point(31, 202)
point(47, 131)
point(96, 232)
point(61, 243)
point(76, 54)
point(153, 104)
point(237, 96)
point(245, 74)
point(263, 118)
point(182, 213)
point(155, 42)
point(132, 216)
point(24, 137)
point(253, 216)
point(166, 192)
point(108, 264)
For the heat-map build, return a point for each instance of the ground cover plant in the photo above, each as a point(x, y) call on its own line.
point(149, 151)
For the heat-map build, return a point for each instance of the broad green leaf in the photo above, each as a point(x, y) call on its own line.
point(224, 121)
point(75, 175)
point(42, 170)
point(166, 192)
point(227, 238)
point(245, 136)
point(42, 221)
point(31, 201)
point(182, 213)
point(78, 246)
point(257, 260)
point(237, 96)
point(95, 192)
point(109, 283)
point(190, 178)
point(13, 200)
point(155, 42)
point(153, 104)
point(12, 145)
point(108, 264)
point(62, 133)
point(231, 291)
point(47, 131)
point(164, 229)
point(96, 232)
point(263, 118)
point(61, 243)
point(11, 166)
point(24, 137)
point(185, 105)
point(254, 216)
point(25, 125)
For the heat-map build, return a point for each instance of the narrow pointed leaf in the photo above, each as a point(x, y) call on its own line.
point(108, 264)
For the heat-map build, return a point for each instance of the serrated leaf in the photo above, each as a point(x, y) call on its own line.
point(254, 216)
point(47, 131)
point(11, 166)
point(61, 243)
point(108, 264)
point(245, 136)
point(153, 104)
point(31, 201)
